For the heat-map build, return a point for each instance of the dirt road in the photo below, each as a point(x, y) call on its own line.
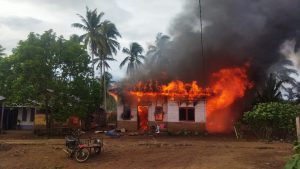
point(138, 152)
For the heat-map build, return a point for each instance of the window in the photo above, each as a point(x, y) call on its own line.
point(24, 114)
point(159, 114)
point(186, 113)
point(126, 115)
point(32, 110)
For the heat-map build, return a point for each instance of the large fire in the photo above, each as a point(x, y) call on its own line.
point(228, 85)
point(225, 87)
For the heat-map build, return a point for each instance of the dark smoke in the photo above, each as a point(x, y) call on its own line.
point(235, 32)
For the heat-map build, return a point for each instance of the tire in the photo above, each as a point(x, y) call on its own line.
point(82, 155)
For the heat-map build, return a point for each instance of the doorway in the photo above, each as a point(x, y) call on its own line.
point(143, 118)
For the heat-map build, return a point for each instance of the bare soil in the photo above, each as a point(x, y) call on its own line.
point(139, 152)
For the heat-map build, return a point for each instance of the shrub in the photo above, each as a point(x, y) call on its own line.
point(274, 119)
point(294, 162)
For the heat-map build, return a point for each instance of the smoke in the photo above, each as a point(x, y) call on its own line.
point(235, 32)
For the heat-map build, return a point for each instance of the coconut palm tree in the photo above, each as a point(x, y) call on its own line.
point(108, 46)
point(2, 51)
point(155, 52)
point(102, 39)
point(91, 25)
point(270, 91)
point(134, 58)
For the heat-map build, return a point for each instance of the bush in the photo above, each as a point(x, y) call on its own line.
point(294, 162)
point(272, 120)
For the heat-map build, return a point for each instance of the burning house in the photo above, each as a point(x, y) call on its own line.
point(179, 105)
point(196, 89)
point(174, 106)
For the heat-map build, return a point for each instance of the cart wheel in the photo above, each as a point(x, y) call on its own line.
point(82, 155)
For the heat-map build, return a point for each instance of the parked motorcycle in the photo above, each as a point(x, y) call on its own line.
point(82, 148)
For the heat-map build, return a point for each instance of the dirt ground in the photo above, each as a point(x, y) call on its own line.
point(139, 152)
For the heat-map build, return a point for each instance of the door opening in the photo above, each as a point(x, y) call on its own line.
point(143, 118)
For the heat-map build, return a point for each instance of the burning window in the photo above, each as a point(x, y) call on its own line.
point(126, 115)
point(159, 114)
point(186, 114)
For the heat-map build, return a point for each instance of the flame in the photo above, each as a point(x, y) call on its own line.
point(228, 85)
point(174, 90)
point(225, 87)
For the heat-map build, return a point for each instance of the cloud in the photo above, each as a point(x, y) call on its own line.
point(18, 23)
point(137, 20)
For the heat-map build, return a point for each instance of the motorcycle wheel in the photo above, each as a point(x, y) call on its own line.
point(97, 150)
point(82, 155)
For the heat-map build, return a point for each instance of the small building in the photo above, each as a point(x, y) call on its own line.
point(172, 110)
point(18, 117)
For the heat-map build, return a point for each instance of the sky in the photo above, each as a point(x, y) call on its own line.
point(137, 20)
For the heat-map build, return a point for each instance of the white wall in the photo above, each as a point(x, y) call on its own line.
point(151, 111)
point(120, 110)
point(200, 112)
point(27, 122)
point(173, 111)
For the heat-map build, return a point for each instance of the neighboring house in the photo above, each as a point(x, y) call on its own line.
point(18, 117)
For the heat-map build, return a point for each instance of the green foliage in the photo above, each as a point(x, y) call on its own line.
point(101, 37)
point(43, 62)
point(294, 162)
point(272, 119)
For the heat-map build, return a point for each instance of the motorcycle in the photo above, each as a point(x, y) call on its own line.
point(82, 148)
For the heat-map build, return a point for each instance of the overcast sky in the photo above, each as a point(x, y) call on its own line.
point(137, 20)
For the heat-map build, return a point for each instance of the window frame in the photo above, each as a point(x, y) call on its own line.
point(156, 112)
point(125, 109)
point(186, 112)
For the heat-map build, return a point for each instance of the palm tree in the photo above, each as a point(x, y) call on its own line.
point(133, 59)
point(91, 25)
point(155, 52)
point(2, 51)
point(270, 92)
point(102, 39)
point(108, 46)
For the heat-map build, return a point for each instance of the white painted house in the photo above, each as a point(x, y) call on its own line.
point(172, 115)
point(18, 117)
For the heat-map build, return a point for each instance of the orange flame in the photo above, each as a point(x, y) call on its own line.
point(174, 90)
point(228, 85)
point(225, 88)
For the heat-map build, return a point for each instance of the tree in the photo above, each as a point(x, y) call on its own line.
point(270, 91)
point(156, 52)
point(2, 51)
point(109, 48)
point(134, 58)
point(102, 37)
point(272, 119)
point(54, 72)
point(91, 25)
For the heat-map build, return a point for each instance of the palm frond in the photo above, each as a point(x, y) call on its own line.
point(124, 62)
